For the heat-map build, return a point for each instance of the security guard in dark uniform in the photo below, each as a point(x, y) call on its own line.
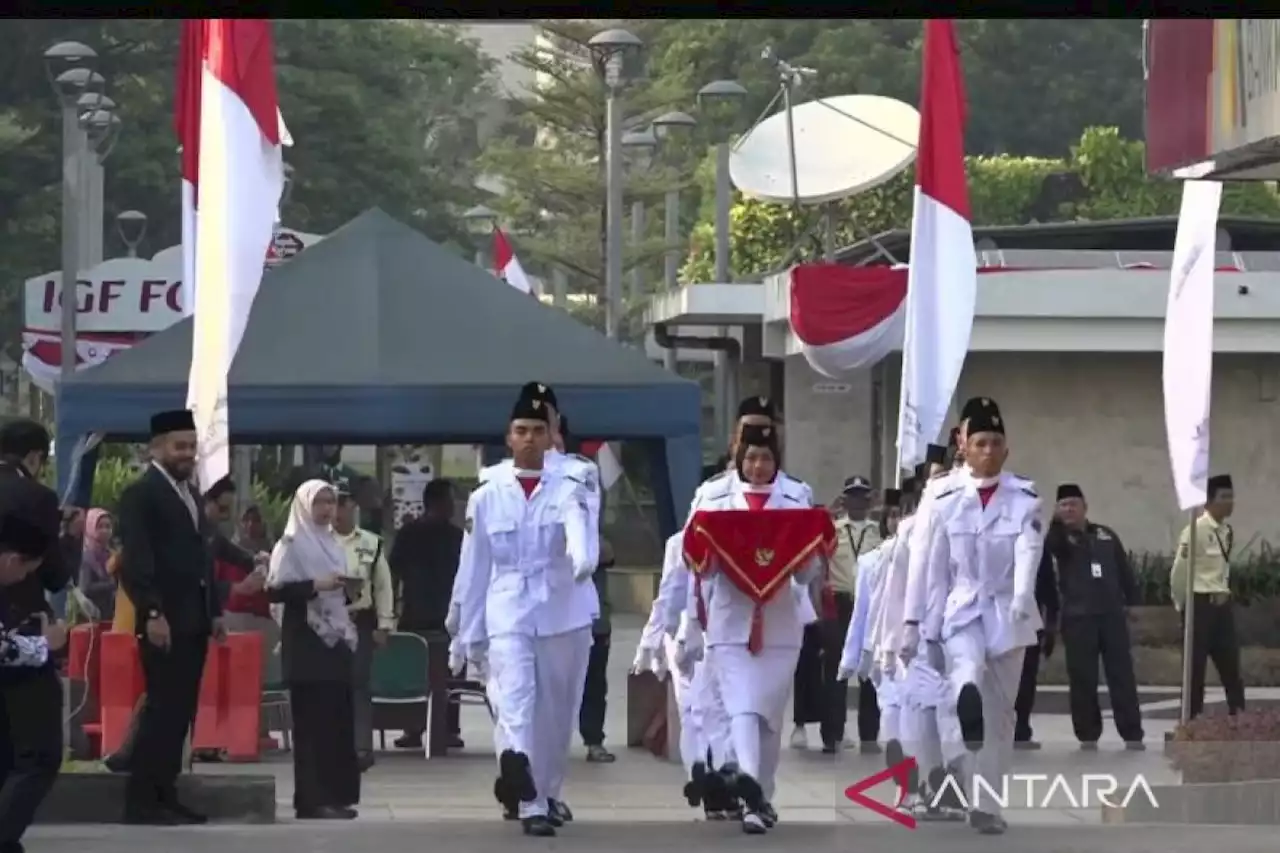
point(1097, 585)
point(1048, 602)
point(30, 696)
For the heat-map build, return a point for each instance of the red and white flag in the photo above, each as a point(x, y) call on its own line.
point(507, 266)
point(942, 282)
point(228, 120)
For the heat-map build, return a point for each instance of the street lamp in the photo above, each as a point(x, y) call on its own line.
point(610, 52)
point(69, 65)
point(640, 145)
point(665, 125)
point(131, 225)
point(710, 96)
point(480, 221)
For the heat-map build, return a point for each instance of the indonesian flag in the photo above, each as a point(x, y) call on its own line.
point(228, 120)
point(610, 467)
point(1188, 342)
point(507, 266)
point(42, 353)
point(758, 551)
point(942, 283)
point(847, 318)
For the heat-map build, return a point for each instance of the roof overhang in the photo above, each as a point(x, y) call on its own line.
point(708, 305)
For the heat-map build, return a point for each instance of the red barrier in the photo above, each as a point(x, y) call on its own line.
point(121, 685)
point(242, 654)
point(230, 699)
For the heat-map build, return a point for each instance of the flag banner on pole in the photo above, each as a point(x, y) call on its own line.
point(1188, 341)
point(230, 130)
point(507, 266)
point(942, 282)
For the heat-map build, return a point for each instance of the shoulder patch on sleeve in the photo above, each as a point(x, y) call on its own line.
point(1036, 525)
point(468, 525)
point(946, 492)
point(794, 498)
point(1030, 491)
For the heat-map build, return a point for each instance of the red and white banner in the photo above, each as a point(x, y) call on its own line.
point(42, 354)
point(847, 317)
point(942, 288)
point(228, 120)
point(507, 266)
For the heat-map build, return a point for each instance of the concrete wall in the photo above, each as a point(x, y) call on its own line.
point(1094, 419)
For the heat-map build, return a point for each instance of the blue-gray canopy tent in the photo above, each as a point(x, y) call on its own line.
point(377, 335)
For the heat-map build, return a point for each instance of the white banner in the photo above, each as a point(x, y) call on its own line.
point(1188, 341)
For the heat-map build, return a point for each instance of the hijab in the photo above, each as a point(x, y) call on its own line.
point(95, 553)
point(308, 552)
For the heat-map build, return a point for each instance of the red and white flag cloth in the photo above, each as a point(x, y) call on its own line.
point(228, 120)
point(42, 353)
point(942, 283)
point(506, 265)
point(847, 318)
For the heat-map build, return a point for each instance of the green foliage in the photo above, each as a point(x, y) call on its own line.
point(1254, 577)
point(1002, 191)
point(382, 112)
point(110, 478)
point(273, 505)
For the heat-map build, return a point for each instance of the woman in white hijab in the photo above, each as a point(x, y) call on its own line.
point(317, 643)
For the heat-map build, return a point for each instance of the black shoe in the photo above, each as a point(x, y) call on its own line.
point(1026, 745)
point(510, 813)
point(694, 788)
point(325, 813)
point(117, 762)
point(1135, 746)
point(553, 820)
point(365, 761)
point(207, 756)
point(151, 816)
point(969, 712)
point(517, 778)
point(599, 755)
point(538, 827)
point(455, 742)
point(559, 810)
point(187, 816)
point(893, 753)
point(830, 748)
point(769, 815)
point(749, 791)
point(409, 741)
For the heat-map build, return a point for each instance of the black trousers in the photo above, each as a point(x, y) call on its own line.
point(835, 704)
point(1026, 701)
point(808, 695)
point(30, 750)
point(326, 772)
point(172, 681)
point(1085, 639)
point(1215, 639)
point(595, 693)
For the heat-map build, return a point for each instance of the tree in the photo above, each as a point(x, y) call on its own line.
point(1002, 191)
point(552, 159)
point(382, 113)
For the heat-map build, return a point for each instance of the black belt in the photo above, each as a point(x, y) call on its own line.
point(1215, 598)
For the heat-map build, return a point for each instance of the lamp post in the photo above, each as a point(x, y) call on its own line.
point(610, 51)
point(69, 66)
point(91, 206)
point(479, 221)
point(641, 145)
point(711, 96)
point(664, 125)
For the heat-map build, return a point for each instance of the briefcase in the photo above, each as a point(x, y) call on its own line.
point(647, 712)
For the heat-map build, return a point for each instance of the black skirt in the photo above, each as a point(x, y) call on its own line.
point(325, 769)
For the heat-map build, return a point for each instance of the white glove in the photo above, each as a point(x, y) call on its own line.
point(457, 658)
point(478, 670)
point(1022, 611)
point(659, 667)
point(865, 664)
point(686, 656)
point(910, 642)
point(843, 674)
point(583, 573)
point(454, 618)
point(643, 661)
point(478, 657)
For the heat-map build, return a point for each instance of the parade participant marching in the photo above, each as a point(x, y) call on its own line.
point(525, 605)
point(745, 561)
point(980, 545)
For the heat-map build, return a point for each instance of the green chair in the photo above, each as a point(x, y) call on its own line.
point(275, 701)
point(399, 676)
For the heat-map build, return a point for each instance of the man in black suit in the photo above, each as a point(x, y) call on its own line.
point(167, 572)
point(30, 696)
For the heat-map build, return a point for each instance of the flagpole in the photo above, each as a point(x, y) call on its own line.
point(1188, 621)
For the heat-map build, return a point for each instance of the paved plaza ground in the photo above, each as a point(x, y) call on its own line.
point(446, 805)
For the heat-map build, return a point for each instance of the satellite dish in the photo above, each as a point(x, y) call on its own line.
point(843, 146)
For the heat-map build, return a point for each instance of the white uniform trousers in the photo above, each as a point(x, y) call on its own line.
point(693, 744)
point(710, 719)
point(997, 681)
point(755, 689)
point(540, 682)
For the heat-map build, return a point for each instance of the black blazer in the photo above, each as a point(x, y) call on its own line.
point(166, 563)
point(22, 494)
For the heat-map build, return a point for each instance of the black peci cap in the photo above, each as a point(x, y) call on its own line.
point(1217, 483)
point(757, 406)
point(759, 436)
point(531, 408)
point(541, 391)
point(1070, 490)
point(177, 420)
point(984, 416)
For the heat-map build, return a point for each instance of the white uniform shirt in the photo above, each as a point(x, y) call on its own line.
point(729, 611)
point(886, 632)
point(984, 559)
point(865, 607)
point(520, 558)
point(579, 467)
point(673, 591)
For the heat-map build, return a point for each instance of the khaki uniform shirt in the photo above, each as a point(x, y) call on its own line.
point(362, 547)
point(1213, 555)
point(853, 539)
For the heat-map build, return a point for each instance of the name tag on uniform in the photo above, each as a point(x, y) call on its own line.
point(1096, 570)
